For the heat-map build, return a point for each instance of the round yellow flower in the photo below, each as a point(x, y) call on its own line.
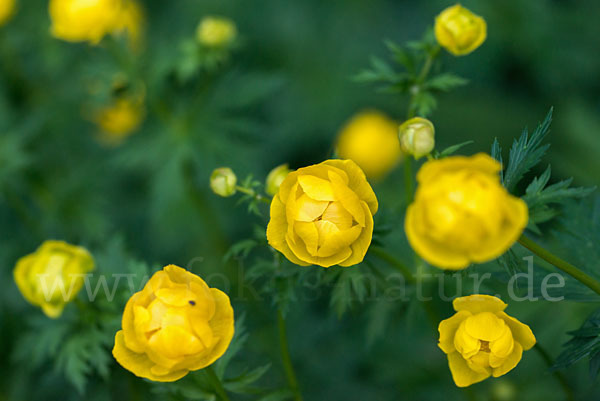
point(216, 31)
point(371, 140)
point(175, 325)
point(84, 20)
point(119, 120)
point(223, 182)
point(461, 212)
point(53, 275)
point(417, 137)
point(7, 9)
point(481, 340)
point(459, 31)
point(275, 178)
point(323, 215)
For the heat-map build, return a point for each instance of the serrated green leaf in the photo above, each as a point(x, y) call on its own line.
point(401, 56)
point(445, 82)
point(454, 148)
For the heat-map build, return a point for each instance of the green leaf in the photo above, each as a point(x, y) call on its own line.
point(445, 82)
point(584, 344)
point(402, 56)
point(350, 286)
point(454, 148)
point(424, 103)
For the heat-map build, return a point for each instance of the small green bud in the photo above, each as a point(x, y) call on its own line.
point(223, 181)
point(417, 137)
point(275, 178)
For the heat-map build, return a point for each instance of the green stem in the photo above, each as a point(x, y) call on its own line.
point(217, 385)
point(251, 192)
point(408, 180)
point(392, 261)
point(565, 266)
point(425, 70)
point(558, 375)
point(285, 356)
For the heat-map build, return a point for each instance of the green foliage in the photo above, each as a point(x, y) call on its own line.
point(585, 344)
point(450, 150)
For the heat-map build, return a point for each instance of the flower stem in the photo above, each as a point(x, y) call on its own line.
point(565, 266)
point(217, 385)
point(559, 376)
point(285, 356)
point(392, 261)
point(251, 192)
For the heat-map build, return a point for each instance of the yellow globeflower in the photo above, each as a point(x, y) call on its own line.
point(481, 340)
point(417, 137)
point(370, 139)
point(119, 120)
point(216, 31)
point(223, 182)
point(275, 178)
point(323, 215)
point(460, 31)
point(175, 325)
point(53, 275)
point(7, 8)
point(84, 20)
point(461, 212)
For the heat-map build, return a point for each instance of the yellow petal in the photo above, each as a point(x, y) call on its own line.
point(334, 242)
point(485, 326)
point(447, 329)
point(21, 276)
point(129, 335)
point(297, 246)
point(309, 234)
point(174, 342)
point(503, 346)
point(286, 186)
point(480, 362)
point(316, 188)
point(336, 214)
point(465, 343)
point(347, 198)
point(461, 373)
point(357, 182)
point(139, 364)
point(176, 296)
point(362, 243)
point(478, 303)
point(277, 229)
point(308, 209)
point(520, 332)
point(511, 361)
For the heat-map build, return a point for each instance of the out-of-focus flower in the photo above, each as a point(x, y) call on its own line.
point(84, 20)
point(216, 31)
point(53, 275)
point(175, 325)
point(459, 31)
point(481, 340)
point(323, 215)
point(417, 137)
point(462, 214)
point(7, 9)
point(119, 120)
point(370, 139)
point(131, 22)
point(223, 182)
point(275, 178)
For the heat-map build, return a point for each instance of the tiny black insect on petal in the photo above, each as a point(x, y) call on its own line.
point(193, 303)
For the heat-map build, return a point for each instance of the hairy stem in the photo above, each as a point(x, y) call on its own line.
point(217, 385)
point(563, 265)
point(285, 356)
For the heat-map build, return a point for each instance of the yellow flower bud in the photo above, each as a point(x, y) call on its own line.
point(175, 325)
point(323, 215)
point(481, 340)
point(216, 31)
point(275, 178)
point(417, 137)
point(223, 181)
point(119, 120)
point(53, 275)
point(84, 20)
point(370, 140)
point(7, 9)
point(462, 214)
point(460, 31)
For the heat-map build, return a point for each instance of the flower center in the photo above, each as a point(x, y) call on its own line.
point(485, 346)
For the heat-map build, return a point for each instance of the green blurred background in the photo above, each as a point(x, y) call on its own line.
point(282, 97)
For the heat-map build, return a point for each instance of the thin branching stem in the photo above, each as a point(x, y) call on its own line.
point(285, 356)
point(217, 385)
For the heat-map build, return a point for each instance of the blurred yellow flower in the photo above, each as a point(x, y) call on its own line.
point(417, 137)
point(481, 340)
point(216, 31)
point(131, 22)
point(370, 139)
point(53, 275)
point(7, 8)
point(175, 325)
point(275, 178)
point(223, 182)
point(84, 20)
point(462, 214)
point(460, 31)
point(323, 215)
point(119, 120)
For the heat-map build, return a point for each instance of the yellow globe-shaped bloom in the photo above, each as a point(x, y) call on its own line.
point(481, 340)
point(119, 120)
point(459, 31)
point(462, 214)
point(371, 140)
point(7, 8)
point(53, 275)
point(216, 31)
point(175, 325)
point(323, 215)
point(84, 20)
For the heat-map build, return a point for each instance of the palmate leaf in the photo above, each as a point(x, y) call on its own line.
point(350, 286)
